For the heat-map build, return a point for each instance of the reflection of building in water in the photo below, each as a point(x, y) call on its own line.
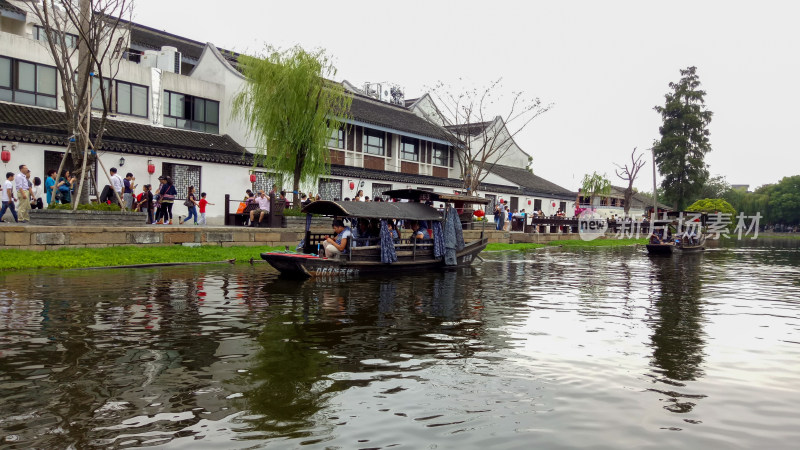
point(678, 338)
point(135, 342)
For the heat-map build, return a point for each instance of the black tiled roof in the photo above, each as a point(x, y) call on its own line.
point(9, 7)
point(472, 129)
point(46, 126)
point(395, 117)
point(154, 39)
point(531, 183)
point(415, 180)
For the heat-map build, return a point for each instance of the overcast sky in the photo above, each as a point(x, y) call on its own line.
point(603, 64)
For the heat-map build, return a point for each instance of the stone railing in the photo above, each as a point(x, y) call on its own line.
point(67, 218)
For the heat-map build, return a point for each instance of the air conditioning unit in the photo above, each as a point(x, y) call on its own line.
point(149, 58)
point(169, 59)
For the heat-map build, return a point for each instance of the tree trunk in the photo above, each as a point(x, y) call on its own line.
point(298, 170)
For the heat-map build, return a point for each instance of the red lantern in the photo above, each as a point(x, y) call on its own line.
point(6, 155)
point(554, 204)
point(151, 168)
point(529, 203)
point(252, 178)
point(352, 185)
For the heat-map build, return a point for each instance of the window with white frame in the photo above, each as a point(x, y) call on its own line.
point(374, 142)
point(336, 138)
point(409, 149)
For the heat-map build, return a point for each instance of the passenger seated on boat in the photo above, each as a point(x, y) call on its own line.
point(336, 246)
point(392, 230)
point(654, 239)
point(362, 235)
point(419, 230)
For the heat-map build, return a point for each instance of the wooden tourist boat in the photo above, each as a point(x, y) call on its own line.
point(363, 256)
point(661, 248)
point(686, 247)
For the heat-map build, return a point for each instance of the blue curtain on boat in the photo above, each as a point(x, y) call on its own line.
point(388, 255)
point(438, 240)
point(457, 228)
point(449, 242)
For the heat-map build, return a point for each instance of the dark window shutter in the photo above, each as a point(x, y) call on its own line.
point(351, 136)
point(359, 138)
point(387, 144)
point(452, 157)
point(430, 151)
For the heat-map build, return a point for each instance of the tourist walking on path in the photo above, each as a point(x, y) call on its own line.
point(7, 197)
point(128, 189)
point(202, 205)
point(166, 196)
point(117, 183)
point(191, 203)
point(146, 204)
point(50, 185)
point(24, 191)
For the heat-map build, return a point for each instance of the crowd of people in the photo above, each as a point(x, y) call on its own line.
point(21, 193)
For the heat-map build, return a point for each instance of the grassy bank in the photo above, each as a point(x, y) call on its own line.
point(123, 256)
point(566, 243)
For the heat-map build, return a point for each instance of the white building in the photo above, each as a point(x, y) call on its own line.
point(171, 107)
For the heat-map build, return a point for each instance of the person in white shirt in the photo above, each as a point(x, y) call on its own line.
point(117, 183)
point(7, 197)
point(24, 191)
point(264, 203)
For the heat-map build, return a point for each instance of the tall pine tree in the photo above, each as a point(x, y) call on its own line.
point(680, 153)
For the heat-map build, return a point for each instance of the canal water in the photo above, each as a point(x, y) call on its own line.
point(600, 348)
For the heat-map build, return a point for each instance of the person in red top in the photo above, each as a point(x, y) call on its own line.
point(202, 204)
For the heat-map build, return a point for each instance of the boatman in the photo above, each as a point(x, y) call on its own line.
point(334, 247)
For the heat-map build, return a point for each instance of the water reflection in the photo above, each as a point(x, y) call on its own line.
point(521, 348)
point(677, 327)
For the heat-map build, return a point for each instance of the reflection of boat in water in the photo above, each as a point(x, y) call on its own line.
point(663, 248)
point(366, 256)
point(688, 246)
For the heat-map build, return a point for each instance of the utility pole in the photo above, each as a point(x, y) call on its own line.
point(655, 192)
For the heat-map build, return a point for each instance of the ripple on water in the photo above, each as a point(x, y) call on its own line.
point(560, 348)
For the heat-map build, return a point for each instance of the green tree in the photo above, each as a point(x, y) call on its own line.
point(594, 185)
point(680, 153)
point(714, 187)
point(290, 109)
point(784, 201)
point(712, 205)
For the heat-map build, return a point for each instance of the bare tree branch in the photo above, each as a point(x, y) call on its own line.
point(629, 174)
point(480, 139)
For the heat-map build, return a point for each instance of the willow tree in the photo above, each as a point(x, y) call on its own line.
point(290, 108)
point(594, 185)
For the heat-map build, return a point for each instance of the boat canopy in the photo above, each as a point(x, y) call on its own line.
point(374, 210)
point(419, 195)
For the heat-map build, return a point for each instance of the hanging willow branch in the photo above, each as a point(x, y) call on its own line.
point(290, 108)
